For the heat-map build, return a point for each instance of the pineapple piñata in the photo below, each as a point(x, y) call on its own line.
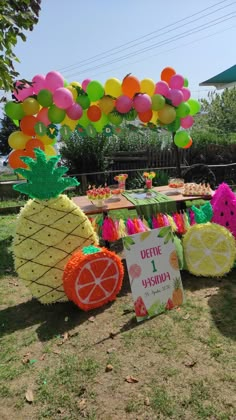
point(50, 228)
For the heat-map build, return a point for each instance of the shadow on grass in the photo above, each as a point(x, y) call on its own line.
point(6, 257)
point(50, 317)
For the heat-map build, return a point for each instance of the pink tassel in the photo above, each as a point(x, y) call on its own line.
point(109, 232)
point(130, 227)
point(155, 223)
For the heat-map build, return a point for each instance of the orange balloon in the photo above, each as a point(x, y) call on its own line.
point(14, 159)
point(188, 145)
point(27, 125)
point(94, 113)
point(145, 116)
point(33, 144)
point(130, 86)
point(167, 73)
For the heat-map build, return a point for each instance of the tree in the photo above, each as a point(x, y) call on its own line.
point(15, 18)
point(220, 110)
point(7, 127)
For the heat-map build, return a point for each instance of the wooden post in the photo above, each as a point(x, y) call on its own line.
point(177, 158)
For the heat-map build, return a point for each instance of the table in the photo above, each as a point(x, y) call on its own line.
point(89, 209)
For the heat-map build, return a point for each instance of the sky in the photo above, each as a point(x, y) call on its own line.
point(100, 39)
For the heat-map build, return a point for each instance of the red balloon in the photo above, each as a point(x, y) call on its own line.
point(188, 145)
point(14, 159)
point(167, 73)
point(27, 125)
point(33, 144)
point(94, 113)
point(145, 116)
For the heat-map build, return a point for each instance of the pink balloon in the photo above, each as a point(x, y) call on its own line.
point(53, 81)
point(74, 112)
point(162, 88)
point(63, 98)
point(38, 83)
point(43, 116)
point(176, 81)
point(85, 84)
point(142, 102)
point(24, 93)
point(176, 96)
point(123, 104)
point(186, 93)
point(187, 122)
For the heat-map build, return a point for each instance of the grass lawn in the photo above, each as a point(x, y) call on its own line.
point(179, 365)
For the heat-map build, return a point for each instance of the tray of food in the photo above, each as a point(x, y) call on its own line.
point(200, 190)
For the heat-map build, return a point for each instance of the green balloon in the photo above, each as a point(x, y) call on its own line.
point(45, 98)
point(83, 101)
point(95, 90)
point(181, 138)
point(185, 82)
point(84, 121)
point(115, 118)
point(158, 102)
point(183, 110)
point(174, 126)
point(56, 115)
point(194, 105)
point(14, 111)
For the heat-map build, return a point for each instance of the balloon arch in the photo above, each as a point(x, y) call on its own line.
point(49, 106)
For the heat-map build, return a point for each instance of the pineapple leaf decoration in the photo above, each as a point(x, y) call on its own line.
point(45, 180)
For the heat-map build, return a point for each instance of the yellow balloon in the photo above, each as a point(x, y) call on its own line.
point(73, 91)
point(106, 104)
point(18, 140)
point(113, 87)
point(46, 140)
point(167, 114)
point(75, 84)
point(30, 106)
point(154, 117)
point(147, 86)
point(71, 123)
point(49, 150)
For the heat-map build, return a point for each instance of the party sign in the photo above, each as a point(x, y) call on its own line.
point(153, 270)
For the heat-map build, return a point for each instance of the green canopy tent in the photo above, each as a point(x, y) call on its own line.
point(226, 79)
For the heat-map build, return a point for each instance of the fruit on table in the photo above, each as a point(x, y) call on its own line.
point(92, 277)
point(50, 228)
point(99, 193)
point(176, 183)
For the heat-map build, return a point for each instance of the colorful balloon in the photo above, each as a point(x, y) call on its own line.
point(14, 159)
point(73, 91)
point(181, 138)
point(85, 84)
point(33, 144)
point(142, 102)
point(54, 81)
point(167, 114)
point(30, 106)
point(123, 104)
point(113, 87)
point(45, 98)
point(174, 126)
point(38, 83)
point(176, 96)
point(63, 98)
point(23, 90)
point(147, 86)
point(145, 116)
point(195, 106)
point(94, 113)
point(17, 140)
point(176, 81)
point(95, 90)
point(130, 86)
point(83, 101)
point(187, 122)
point(106, 104)
point(158, 102)
point(27, 125)
point(84, 120)
point(14, 111)
point(189, 144)
point(56, 115)
point(186, 93)
point(183, 110)
point(162, 88)
point(74, 112)
point(43, 116)
point(167, 73)
point(69, 123)
point(49, 150)
point(115, 118)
